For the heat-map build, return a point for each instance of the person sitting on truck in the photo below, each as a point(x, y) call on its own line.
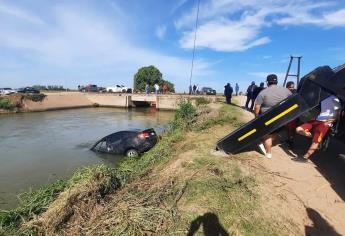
point(291, 86)
point(266, 99)
point(330, 111)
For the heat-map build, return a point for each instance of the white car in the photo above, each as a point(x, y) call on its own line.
point(7, 91)
point(119, 89)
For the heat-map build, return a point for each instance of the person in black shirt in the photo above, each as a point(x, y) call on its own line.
point(250, 92)
point(257, 90)
point(228, 93)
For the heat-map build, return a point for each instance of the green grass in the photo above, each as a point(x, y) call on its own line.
point(184, 117)
point(227, 115)
point(5, 104)
point(223, 190)
point(33, 203)
point(201, 101)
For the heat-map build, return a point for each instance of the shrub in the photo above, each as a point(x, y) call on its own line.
point(35, 97)
point(201, 101)
point(184, 115)
point(5, 104)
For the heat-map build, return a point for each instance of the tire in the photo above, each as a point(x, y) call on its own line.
point(110, 90)
point(132, 153)
point(124, 91)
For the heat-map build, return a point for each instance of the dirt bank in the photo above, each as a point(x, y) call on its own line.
point(311, 193)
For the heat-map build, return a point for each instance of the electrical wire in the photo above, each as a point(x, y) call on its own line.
point(196, 27)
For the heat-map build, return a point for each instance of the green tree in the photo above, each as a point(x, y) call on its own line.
point(151, 75)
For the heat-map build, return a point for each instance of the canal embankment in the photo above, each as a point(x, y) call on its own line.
point(71, 100)
point(175, 188)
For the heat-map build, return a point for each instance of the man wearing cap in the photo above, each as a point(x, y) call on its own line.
point(266, 99)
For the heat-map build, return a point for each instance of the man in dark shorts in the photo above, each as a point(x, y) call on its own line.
point(266, 99)
point(330, 109)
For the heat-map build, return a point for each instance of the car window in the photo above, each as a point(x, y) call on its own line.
point(115, 137)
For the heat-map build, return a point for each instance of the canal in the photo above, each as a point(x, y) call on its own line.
point(39, 148)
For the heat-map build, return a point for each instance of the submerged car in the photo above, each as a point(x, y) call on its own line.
point(130, 142)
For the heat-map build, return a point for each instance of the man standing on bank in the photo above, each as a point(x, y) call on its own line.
point(228, 93)
point(250, 93)
point(266, 99)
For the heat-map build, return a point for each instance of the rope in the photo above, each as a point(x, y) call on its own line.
point(196, 27)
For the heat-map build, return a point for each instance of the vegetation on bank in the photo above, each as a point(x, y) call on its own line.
point(175, 188)
point(15, 101)
point(5, 104)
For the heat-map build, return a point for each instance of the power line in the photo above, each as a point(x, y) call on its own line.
point(196, 27)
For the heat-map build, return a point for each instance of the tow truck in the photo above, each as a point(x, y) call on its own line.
point(313, 88)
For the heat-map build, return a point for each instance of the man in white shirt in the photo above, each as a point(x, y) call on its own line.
point(330, 110)
point(156, 86)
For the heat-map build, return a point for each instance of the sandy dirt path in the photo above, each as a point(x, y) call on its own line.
point(310, 193)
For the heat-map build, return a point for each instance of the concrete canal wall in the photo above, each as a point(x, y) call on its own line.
point(56, 101)
point(110, 100)
point(67, 100)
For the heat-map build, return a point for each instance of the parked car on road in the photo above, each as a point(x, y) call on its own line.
point(28, 90)
point(119, 89)
point(208, 91)
point(7, 91)
point(130, 142)
point(88, 88)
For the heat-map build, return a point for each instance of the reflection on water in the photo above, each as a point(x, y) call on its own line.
point(38, 148)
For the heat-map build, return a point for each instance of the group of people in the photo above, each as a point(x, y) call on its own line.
point(148, 88)
point(165, 88)
point(194, 89)
point(272, 95)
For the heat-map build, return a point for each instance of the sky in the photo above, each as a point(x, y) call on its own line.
point(105, 42)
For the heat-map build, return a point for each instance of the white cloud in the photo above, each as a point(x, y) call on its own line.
point(263, 75)
point(160, 31)
point(229, 25)
point(88, 45)
point(178, 5)
point(19, 13)
point(224, 35)
point(335, 18)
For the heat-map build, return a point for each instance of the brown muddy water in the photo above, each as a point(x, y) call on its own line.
point(39, 148)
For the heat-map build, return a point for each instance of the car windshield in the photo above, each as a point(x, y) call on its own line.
point(207, 88)
point(7, 89)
